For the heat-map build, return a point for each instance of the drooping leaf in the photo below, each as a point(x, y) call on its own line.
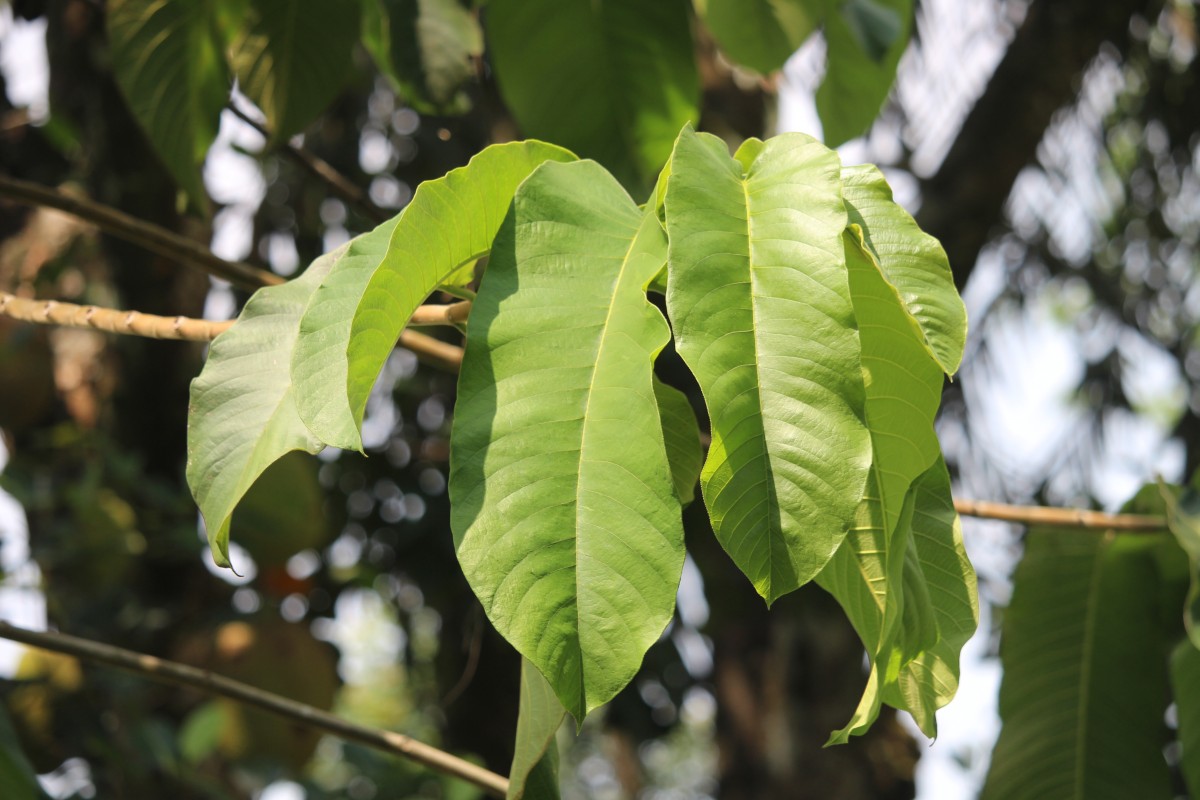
point(1083, 620)
point(760, 304)
point(624, 69)
point(681, 433)
point(242, 415)
point(929, 681)
point(425, 47)
point(912, 261)
point(873, 25)
point(563, 508)
point(168, 60)
point(450, 222)
point(1185, 688)
point(534, 772)
point(868, 573)
point(291, 58)
point(856, 81)
point(1183, 520)
point(760, 34)
point(283, 512)
point(319, 364)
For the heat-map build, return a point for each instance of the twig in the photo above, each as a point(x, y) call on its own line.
point(144, 234)
point(182, 675)
point(321, 169)
point(1060, 517)
point(133, 323)
point(433, 351)
point(452, 314)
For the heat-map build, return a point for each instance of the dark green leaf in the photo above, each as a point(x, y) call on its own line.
point(167, 58)
point(612, 80)
point(1085, 681)
point(291, 58)
point(426, 48)
point(17, 778)
point(1185, 686)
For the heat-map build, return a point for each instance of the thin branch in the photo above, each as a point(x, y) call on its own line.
point(152, 237)
point(183, 675)
point(1060, 517)
point(51, 312)
point(321, 169)
point(131, 323)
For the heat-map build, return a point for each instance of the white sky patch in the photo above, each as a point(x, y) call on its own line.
point(24, 63)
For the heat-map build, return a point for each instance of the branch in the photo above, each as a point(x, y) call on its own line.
point(144, 234)
point(182, 675)
point(1060, 517)
point(342, 186)
point(132, 323)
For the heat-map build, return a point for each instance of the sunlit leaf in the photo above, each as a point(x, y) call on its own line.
point(292, 58)
point(534, 771)
point(167, 58)
point(1085, 680)
point(760, 304)
point(563, 507)
point(612, 80)
point(450, 222)
point(912, 261)
point(681, 433)
point(242, 415)
point(867, 575)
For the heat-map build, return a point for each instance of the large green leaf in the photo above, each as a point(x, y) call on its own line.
point(426, 48)
point(760, 34)
point(1185, 686)
point(167, 58)
point(929, 681)
point(759, 300)
point(1085, 680)
point(291, 58)
point(912, 261)
point(612, 80)
point(563, 508)
point(366, 302)
point(857, 80)
point(534, 771)
point(242, 415)
point(867, 574)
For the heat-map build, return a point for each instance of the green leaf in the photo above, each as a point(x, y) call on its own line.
point(292, 58)
point(856, 81)
point(425, 47)
point(242, 415)
point(681, 433)
point(1183, 520)
point(534, 771)
point(167, 58)
point(450, 222)
point(873, 574)
point(319, 364)
point(1185, 686)
point(1085, 681)
point(873, 25)
point(912, 261)
point(612, 80)
point(563, 508)
point(17, 778)
point(760, 304)
point(929, 681)
point(760, 34)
